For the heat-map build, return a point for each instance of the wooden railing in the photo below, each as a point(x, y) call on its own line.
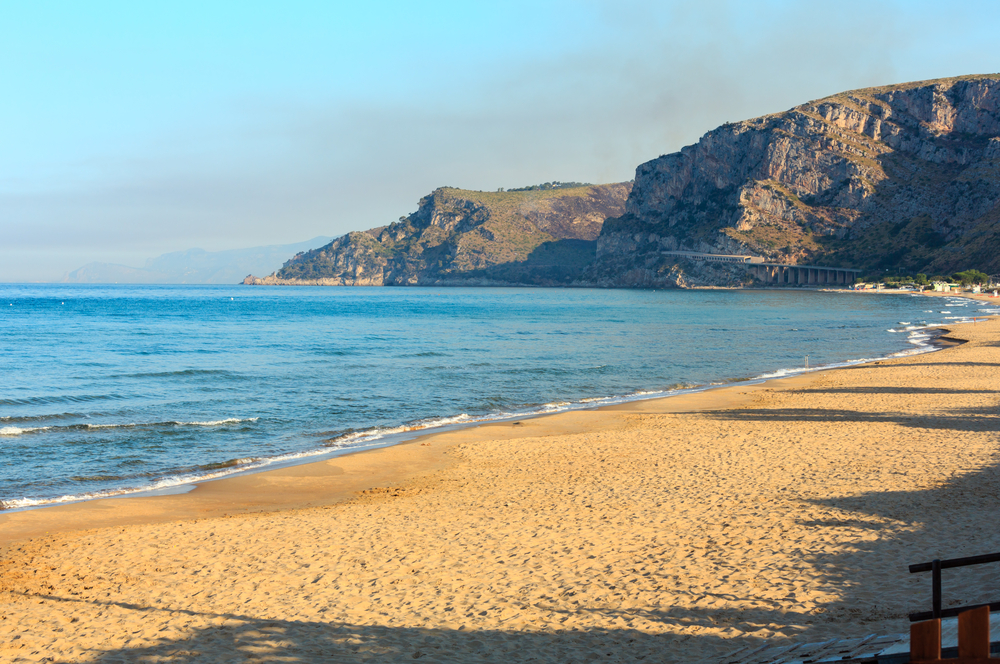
point(935, 566)
point(973, 620)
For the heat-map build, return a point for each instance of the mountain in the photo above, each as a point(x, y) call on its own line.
point(900, 178)
point(194, 266)
point(541, 235)
point(895, 178)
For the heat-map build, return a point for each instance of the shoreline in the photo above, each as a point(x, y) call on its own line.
point(785, 511)
point(407, 436)
point(378, 437)
point(342, 476)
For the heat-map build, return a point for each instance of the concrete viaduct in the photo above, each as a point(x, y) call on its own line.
point(778, 274)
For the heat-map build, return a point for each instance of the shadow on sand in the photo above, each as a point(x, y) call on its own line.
point(889, 390)
point(967, 503)
point(960, 419)
point(238, 638)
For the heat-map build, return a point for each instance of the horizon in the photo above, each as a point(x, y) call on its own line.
point(143, 131)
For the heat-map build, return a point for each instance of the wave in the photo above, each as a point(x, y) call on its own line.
point(168, 423)
point(232, 463)
point(428, 353)
point(355, 437)
point(17, 431)
point(185, 373)
point(215, 423)
point(67, 398)
point(17, 419)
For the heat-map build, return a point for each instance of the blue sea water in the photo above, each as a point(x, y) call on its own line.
point(113, 389)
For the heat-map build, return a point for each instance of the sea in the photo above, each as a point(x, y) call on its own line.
point(117, 389)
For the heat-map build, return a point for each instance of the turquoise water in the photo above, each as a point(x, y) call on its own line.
point(112, 389)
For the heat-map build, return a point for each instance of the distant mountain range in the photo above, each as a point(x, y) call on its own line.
point(899, 178)
point(194, 266)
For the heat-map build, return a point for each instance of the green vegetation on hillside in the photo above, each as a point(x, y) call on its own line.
point(546, 186)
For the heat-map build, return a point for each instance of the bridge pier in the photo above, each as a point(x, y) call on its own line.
point(804, 275)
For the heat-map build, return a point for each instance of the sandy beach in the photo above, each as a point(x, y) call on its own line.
point(671, 530)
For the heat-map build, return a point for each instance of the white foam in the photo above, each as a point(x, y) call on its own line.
point(17, 431)
point(175, 423)
point(378, 433)
point(215, 423)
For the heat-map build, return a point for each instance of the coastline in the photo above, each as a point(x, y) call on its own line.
point(217, 500)
point(340, 478)
point(377, 437)
point(695, 525)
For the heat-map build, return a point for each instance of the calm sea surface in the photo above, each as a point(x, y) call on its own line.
point(111, 389)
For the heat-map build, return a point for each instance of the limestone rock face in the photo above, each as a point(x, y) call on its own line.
point(895, 178)
point(458, 237)
point(899, 177)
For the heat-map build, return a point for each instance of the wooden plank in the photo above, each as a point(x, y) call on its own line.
point(974, 633)
point(925, 641)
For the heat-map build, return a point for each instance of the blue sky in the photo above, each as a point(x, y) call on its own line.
point(132, 129)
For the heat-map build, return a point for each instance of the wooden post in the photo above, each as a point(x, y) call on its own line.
point(974, 633)
point(936, 587)
point(925, 640)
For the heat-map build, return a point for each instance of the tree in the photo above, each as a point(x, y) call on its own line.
point(971, 277)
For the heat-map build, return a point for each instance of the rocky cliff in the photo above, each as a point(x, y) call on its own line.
point(541, 236)
point(903, 177)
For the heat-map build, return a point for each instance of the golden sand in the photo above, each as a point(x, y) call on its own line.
point(659, 531)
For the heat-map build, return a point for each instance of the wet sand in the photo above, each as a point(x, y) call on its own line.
point(667, 530)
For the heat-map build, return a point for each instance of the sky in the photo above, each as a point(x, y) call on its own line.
point(128, 130)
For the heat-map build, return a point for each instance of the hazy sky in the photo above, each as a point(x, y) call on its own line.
point(129, 129)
